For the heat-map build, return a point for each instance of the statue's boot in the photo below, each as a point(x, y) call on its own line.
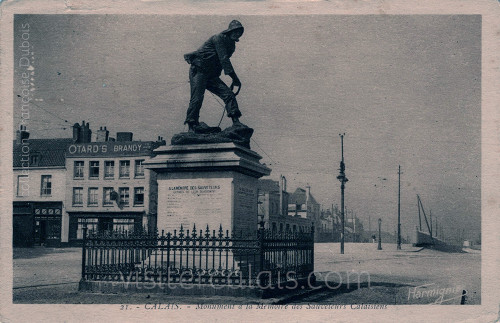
point(237, 123)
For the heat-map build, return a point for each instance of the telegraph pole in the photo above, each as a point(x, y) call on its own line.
point(342, 180)
point(369, 223)
point(379, 247)
point(399, 208)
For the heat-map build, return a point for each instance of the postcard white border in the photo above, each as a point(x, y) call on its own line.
point(490, 11)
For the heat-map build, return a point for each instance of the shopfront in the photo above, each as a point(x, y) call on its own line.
point(102, 222)
point(37, 224)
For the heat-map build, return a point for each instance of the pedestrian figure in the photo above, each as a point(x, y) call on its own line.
point(207, 64)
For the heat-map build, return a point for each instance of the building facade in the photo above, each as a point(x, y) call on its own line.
point(303, 205)
point(39, 187)
point(108, 187)
point(63, 185)
point(273, 208)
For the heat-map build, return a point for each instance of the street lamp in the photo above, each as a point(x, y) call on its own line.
point(379, 234)
point(343, 179)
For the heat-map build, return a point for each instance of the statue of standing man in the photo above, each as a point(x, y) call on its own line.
point(207, 64)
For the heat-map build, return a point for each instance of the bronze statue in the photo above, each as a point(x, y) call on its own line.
point(207, 64)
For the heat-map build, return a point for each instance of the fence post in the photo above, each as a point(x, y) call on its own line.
point(312, 243)
point(313, 278)
point(260, 234)
point(84, 251)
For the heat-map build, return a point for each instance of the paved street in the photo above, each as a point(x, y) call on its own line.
point(407, 276)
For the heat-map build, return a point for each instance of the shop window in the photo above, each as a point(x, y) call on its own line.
point(124, 168)
point(123, 225)
point(22, 185)
point(46, 185)
point(78, 169)
point(139, 168)
point(77, 196)
point(139, 196)
point(92, 200)
point(109, 169)
point(124, 193)
point(89, 223)
point(94, 169)
point(107, 196)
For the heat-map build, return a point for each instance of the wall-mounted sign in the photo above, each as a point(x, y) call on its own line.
point(112, 148)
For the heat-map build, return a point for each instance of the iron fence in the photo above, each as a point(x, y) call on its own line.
point(198, 257)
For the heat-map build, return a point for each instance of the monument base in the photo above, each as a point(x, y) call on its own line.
point(210, 186)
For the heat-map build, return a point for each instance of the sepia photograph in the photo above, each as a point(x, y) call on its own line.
point(283, 163)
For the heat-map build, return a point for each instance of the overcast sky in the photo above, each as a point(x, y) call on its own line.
point(404, 89)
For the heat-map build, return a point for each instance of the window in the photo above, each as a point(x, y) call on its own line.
point(94, 169)
point(123, 225)
point(78, 169)
point(34, 160)
point(139, 168)
point(139, 196)
point(46, 185)
point(89, 223)
point(107, 196)
point(92, 201)
point(125, 168)
point(23, 186)
point(124, 196)
point(77, 195)
point(109, 169)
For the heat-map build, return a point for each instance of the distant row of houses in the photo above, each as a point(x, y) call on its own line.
point(63, 185)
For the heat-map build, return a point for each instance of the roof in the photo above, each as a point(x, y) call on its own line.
point(268, 185)
point(299, 197)
point(50, 152)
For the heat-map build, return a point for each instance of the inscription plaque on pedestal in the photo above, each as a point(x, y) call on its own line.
point(194, 201)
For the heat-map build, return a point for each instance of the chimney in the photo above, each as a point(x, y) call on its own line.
point(86, 133)
point(308, 197)
point(102, 135)
point(124, 136)
point(283, 205)
point(77, 137)
point(22, 135)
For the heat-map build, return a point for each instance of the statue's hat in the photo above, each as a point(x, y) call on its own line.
point(233, 25)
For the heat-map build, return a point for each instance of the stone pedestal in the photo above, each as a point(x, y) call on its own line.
point(207, 185)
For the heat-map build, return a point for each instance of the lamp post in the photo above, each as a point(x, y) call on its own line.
point(342, 180)
point(399, 208)
point(379, 234)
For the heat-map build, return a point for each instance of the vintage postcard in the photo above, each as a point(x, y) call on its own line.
point(314, 161)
